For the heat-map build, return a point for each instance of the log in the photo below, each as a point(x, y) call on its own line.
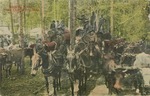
point(35, 92)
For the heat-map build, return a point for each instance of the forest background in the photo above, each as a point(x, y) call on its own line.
point(130, 17)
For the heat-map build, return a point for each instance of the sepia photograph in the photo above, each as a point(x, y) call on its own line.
point(74, 47)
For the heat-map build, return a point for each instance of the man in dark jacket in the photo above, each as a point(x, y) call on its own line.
point(93, 21)
point(53, 26)
point(101, 24)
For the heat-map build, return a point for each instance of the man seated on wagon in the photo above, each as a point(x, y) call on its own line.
point(53, 26)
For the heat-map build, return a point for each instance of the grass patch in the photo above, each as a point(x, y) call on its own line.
point(21, 85)
point(26, 85)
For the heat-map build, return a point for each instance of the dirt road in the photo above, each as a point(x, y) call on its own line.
point(99, 90)
point(95, 87)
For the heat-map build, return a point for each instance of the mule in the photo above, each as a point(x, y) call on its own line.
point(50, 69)
point(109, 66)
point(8, 64)
point(77, 69)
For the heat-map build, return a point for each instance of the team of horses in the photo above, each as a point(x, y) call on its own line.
point(93, 52)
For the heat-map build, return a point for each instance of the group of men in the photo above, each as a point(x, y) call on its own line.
point(89, 25)
point(5, 40)
point(56, 25)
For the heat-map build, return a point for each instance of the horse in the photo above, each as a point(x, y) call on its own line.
point(2, 63)
point(50, 68)
point(5, 60)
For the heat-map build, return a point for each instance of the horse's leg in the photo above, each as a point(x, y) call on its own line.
point(72, 86)
point(59, 80)
point(10, 66)
point(110, 86)
point(98, 64)
point(109, 90)
point(91, 62)
point(82, 84)
point(9, 71)
point(106, 80)
point(6, 72)
point(3, 65)
point(47, 84)
point(30, 60)
point(57, 83)
point(79, 86)
point(17, 65)
point(86, 77)
point(54, 85)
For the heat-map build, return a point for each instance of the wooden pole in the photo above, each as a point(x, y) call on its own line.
point(111, 18)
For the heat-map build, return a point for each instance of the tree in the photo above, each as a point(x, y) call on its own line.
point(0, 73)
point(12, 25)
point(72, 21)
point(42, 19)
point(129, 16)
point(21, 36)
point(111, 17)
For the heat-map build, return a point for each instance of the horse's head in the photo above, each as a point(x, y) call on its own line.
point(36, 63)
point(70, 60)
point(94, 49)
point(91, 49)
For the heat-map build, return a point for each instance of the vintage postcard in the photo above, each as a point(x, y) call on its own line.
point(74, 47)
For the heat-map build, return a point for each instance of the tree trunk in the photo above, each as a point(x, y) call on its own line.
point(54, 9)
point(42, 19)
point(25, 16)
point(0, 72)
point(12, 25)
point(111, 18)
point(72, 16)
point(21, 37)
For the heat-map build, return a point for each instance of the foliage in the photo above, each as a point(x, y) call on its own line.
point(130, 16)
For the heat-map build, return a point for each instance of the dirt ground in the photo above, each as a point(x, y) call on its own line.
point(26, 85)
point(99, 90)
point(95, 87)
